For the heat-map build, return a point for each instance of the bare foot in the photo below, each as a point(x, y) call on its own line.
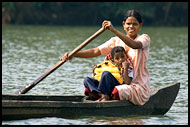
point(98, 100)
point(113, 97)
point(100, 95)
point(103, 98)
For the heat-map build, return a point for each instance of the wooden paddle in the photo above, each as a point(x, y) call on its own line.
point(71, 54)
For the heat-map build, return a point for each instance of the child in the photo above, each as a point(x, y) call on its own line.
point(107, 75)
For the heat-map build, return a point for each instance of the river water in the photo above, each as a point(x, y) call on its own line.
point(30, 51)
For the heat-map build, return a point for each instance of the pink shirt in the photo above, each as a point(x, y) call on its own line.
point(138, 92)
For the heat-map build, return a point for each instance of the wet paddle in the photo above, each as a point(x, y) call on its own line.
point(71, 54)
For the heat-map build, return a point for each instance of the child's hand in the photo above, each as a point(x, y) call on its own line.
point(125, 65)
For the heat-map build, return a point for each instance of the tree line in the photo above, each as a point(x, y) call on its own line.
point(93, 13)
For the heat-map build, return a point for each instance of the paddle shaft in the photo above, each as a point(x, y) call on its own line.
point(71, 54)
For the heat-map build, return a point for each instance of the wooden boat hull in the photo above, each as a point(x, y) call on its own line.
point(22, 106)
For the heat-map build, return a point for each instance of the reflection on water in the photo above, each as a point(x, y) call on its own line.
point(30, 51)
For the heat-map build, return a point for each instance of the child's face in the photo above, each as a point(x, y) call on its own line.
point(119, 58)
point(131, 27)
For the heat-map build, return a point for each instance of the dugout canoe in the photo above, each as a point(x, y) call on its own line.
point(15, 107)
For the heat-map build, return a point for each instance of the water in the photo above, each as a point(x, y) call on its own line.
point(30, 51)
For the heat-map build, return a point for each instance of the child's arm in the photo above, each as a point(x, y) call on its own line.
point(93, 68)
point(126, 78)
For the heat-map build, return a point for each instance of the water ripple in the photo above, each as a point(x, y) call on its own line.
point(30, 51)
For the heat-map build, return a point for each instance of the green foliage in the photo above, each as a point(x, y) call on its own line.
point(93, 13)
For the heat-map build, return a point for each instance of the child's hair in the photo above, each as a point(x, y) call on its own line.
point(133, 13)
point(116, 50)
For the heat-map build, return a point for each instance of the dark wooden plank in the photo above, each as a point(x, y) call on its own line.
point(42, 97)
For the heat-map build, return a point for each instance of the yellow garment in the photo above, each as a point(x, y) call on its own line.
point(107, 66)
